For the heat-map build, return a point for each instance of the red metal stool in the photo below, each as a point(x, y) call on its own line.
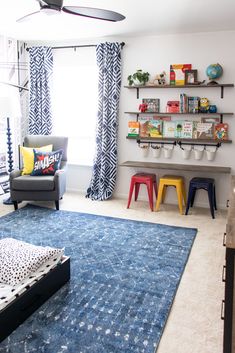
point(143, 178)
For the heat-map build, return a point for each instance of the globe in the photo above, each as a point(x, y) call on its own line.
point(214, 71)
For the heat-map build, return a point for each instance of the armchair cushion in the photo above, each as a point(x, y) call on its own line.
point(46, 163)
point(36, 183)
point(28, 157)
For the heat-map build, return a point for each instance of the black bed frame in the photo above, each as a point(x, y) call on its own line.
point(25, 304)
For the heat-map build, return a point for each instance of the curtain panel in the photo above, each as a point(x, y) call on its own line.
point(41, 68)
point(105, 162)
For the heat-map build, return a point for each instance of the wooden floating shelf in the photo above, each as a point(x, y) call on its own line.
point(174, 166)
point(195, 114)
point(221, 86)
point(183, 86)
point(175, 139)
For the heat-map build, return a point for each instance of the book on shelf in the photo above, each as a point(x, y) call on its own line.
point(173, 107)
point(221, 131)
point(210, 119)
point(164, 117)
point(155, 128)
point(193, 105)
point(187, 129)
point(153, 104)
point(203, 130)
point(168, 129)
point(144, 122)
point(133, 128)
point(183, 103)
point(179, 128)
point(177, 73)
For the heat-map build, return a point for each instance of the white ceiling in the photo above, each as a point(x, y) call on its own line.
point(148, 17)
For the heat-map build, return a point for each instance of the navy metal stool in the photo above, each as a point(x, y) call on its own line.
point(207, 184)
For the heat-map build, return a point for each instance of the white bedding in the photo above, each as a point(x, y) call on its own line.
point(21, 265)
point(8, 293)
point(19, 259)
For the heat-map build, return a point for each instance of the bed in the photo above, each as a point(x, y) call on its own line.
point(20, 298)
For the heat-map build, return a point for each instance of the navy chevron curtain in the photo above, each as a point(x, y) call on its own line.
point(41, 66)
point(105, 162)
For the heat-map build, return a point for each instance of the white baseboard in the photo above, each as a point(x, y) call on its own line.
point(125, 197)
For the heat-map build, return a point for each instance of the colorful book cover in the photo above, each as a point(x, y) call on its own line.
point(204, 131)
point(183, 103)
point(144, 126)
point(193, 105)
point(169, 129)
point(155, 128)
point(187, 131)
point(179, 129)
point(177, 76)
point(173, 107)
point(210, 119)
point(164, 117)
point(153, 104)
point(221, 131)
point(133, 128)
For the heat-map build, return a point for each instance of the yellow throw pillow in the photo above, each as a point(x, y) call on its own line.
point(28, 157)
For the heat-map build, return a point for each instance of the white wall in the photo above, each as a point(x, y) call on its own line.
point(155, 54)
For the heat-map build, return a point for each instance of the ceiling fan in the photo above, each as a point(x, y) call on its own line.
point(51, 6)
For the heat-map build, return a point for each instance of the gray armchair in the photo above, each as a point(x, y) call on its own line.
point(40, 188)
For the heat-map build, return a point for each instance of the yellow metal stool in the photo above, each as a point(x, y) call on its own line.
point(178, 183)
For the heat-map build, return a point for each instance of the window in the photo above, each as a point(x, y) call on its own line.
point(75, 101)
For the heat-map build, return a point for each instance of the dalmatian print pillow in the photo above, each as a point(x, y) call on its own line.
point(19, 259)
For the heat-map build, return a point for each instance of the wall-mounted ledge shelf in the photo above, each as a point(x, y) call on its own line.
point(172, 166)
point(220, 114)
point(177, 140)
point(195, 114)
point(221, 86)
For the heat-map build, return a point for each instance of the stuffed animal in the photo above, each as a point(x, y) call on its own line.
point(160, 79)
point(143, 107)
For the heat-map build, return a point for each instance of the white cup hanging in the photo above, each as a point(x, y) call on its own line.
point(144, 148)
point(156, 150)
point(198, 153)
point(210, 153)
point(186, 151)
point(168, 151)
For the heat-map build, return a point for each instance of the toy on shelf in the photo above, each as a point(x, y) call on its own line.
point(204, 105)
point(160, 79)
point(212, 109)
point(143, 107)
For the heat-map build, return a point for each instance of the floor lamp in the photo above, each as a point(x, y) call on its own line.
point(9, 107)
point(9, 201)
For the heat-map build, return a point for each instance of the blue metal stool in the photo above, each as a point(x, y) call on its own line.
point(207, 184)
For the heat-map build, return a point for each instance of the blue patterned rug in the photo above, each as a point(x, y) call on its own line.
point(124, 277)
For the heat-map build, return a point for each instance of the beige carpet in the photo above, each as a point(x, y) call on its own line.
point(194, 324)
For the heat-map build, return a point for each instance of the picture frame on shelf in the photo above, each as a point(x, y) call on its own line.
point(153, 104)
point(190, 77)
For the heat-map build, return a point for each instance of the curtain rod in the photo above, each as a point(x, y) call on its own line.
point(79, 46)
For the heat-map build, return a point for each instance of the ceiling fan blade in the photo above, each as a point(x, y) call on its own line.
point(25, 18)
point(41, 2)
point(99, 14)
